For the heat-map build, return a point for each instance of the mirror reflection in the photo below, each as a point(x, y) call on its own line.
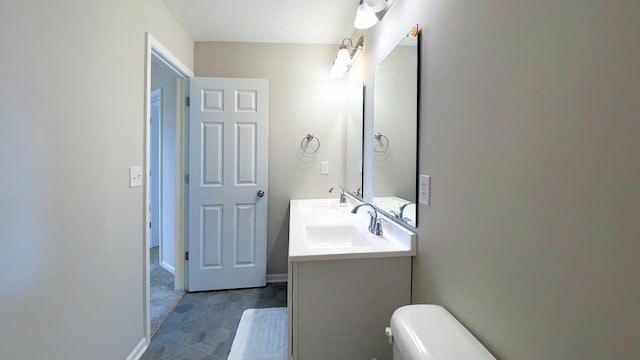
point(395, 139)
point(353, 155)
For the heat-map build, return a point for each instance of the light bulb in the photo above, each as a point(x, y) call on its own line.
point(343, 57)
point(365, 18)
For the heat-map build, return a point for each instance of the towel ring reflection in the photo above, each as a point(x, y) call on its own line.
point(385, 144)
point(308, 139)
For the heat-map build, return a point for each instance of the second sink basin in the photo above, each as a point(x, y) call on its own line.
point(334, 236)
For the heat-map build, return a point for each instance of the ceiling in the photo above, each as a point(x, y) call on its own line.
point(270, 21)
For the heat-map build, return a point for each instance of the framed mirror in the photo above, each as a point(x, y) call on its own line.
point(395, 128)
point(354, 119)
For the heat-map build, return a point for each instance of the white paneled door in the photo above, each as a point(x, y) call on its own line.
point(228, 143)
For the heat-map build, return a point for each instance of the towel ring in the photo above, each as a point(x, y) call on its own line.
point(385, 145)
point(308, 139)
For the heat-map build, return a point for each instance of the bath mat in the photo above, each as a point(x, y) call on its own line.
point(261, 335)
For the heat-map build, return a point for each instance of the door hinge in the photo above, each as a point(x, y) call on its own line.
point(187, 101)
point(186, 256)
point(149, 224)
point(186, 179)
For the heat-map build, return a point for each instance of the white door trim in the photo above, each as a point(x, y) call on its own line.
point(155, 49)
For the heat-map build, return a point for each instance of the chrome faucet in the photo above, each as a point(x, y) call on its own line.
point(396, 215)
point(343, 199)
point(375, 227)
point(401, 214)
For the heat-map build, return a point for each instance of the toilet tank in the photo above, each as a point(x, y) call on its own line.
point(430, 332)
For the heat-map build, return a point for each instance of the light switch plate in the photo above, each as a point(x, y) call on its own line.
point(324, 168)
point(135, 176)
point(424, 189)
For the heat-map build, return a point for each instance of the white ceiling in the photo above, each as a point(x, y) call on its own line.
point(272, 21)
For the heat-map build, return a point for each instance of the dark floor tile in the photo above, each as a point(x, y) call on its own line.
point(182, 308)
point(195, 337)
point(223, 348)
point(213, 357)
point(153, 352)
point(219, 335)
point(170, 339)
point(190, 326)
point(175, 352)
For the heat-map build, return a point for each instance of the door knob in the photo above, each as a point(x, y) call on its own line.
point(260, 193)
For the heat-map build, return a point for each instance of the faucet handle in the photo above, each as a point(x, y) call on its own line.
point(372, 220)
point(378, 227)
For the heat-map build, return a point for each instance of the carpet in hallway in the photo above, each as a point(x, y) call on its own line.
point(163, 297)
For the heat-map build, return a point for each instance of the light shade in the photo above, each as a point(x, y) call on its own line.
point(376, 5)
point(365, 17)
point(343, 57)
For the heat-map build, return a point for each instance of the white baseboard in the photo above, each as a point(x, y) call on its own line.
point(138, 351)
point(168, 267)
point(276, 278)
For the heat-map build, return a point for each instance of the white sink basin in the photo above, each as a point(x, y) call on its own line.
point(334, 236)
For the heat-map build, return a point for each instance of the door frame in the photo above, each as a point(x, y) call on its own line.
point(154, 49)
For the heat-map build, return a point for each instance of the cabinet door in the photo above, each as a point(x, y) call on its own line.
point(341, 307)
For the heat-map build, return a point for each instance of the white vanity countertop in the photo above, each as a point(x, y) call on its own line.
point(319, 229)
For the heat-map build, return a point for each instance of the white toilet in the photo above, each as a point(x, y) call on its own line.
point(430, 332)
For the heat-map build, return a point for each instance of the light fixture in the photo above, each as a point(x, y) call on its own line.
point(345, 58)
point(370, 12)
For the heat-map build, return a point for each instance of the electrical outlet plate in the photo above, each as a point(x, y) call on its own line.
point(324, 168)
point(135, 176)
point(424, 189)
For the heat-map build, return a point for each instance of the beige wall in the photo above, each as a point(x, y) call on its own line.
point(302, 99)
point(72, 101)
point(529, 129)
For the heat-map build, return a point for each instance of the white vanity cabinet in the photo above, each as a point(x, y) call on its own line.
point(338, 309)
point(341, 294)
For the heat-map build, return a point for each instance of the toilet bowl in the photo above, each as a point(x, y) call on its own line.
point(430, 332)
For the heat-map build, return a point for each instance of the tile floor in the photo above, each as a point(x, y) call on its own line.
point(204, 324)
